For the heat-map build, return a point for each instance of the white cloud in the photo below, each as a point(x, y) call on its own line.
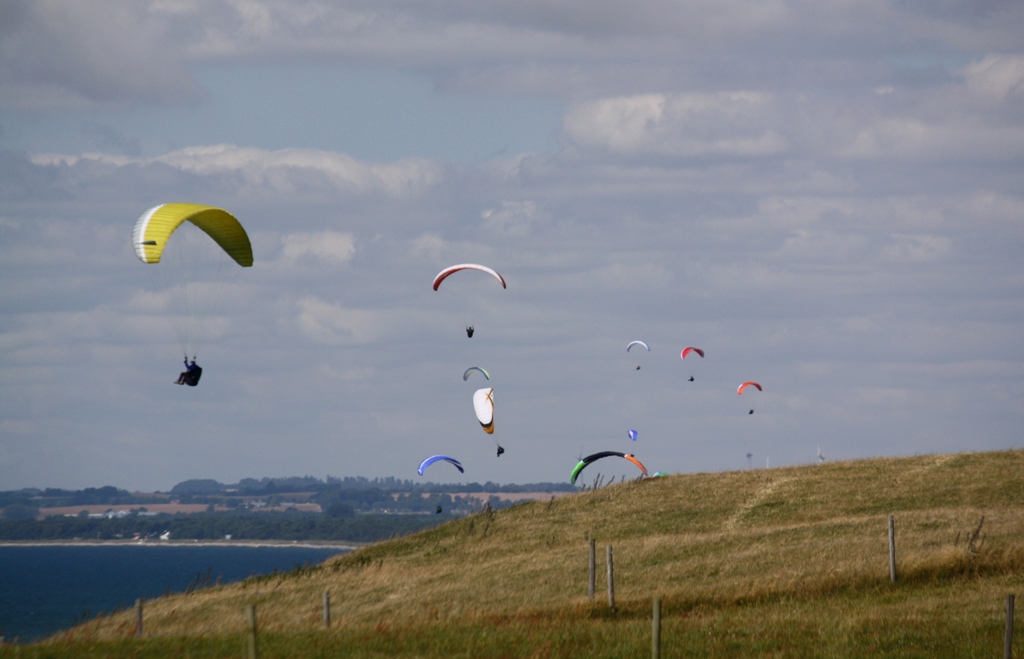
point(511, 218)
point(329, 323)
point(429, 246)
point(918, 248)
point(285, 171)
point(326, 245)
point(724, 124)
point(910, 139)
point(997, 77)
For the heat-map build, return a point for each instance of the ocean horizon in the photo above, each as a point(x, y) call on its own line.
point(48, 587)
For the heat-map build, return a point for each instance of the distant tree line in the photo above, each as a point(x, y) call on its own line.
point(251, 486)
point(335, 495)
point(215, 526)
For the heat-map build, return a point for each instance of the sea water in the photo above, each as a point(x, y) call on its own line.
point(46, 588)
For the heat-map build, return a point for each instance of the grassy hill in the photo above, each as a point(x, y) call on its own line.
point(781, 562)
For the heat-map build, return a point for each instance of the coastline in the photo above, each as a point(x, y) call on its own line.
point(309, 544)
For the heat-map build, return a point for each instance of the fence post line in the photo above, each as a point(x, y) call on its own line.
point(327, 608)
point(253, 650)
point(593, 570)
point(138, 618)
point(611, 580)
point(892, 550)
point(1008, 635)
point(656, 630)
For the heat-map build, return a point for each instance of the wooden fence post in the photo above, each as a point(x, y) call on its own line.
point(138, 618)
point(656, 630)
point(892, 550)
point(1008, 635)
point(611, 580)
point(327, 609)
point(593, 570)
point(253, 650)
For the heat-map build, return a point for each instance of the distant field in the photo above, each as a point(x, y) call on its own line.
point(782, 562)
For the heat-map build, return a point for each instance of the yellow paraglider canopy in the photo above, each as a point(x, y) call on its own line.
point(154, 229)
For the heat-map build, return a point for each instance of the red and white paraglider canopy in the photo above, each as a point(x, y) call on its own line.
point(441, 276)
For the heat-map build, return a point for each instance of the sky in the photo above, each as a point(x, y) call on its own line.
point(826, 196)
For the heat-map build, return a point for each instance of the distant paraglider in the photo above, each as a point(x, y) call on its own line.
point(637, 343)
point(687, 351)
point(434, 458)
point(603, 454)
point(483, 405)
point(471, 369)
point(743, 386)
point(633, 435)
point(447, 272)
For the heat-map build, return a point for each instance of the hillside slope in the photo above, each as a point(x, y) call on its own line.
point(791, 561)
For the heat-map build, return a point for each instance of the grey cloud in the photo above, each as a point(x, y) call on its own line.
point(60, 53)
point(56, 52)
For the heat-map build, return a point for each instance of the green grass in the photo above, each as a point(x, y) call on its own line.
point(784, 562)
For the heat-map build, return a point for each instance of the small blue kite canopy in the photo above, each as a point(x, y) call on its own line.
point(633, 435)
point(434, 458)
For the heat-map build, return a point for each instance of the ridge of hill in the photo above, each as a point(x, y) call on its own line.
point(789, 561)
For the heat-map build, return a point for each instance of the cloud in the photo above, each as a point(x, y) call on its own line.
point(330, 246)
point(511, 217)
point(917, 140)
point(285, 171)
point(329, 323)
point(60, 53)
point(918, 248)
point(687, 125)
point(998, 77)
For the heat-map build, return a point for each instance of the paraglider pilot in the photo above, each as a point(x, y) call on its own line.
point(469, 331)
point(500, 450)
point(191, 374)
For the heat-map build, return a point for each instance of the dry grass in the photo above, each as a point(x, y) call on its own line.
point(788, 561)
